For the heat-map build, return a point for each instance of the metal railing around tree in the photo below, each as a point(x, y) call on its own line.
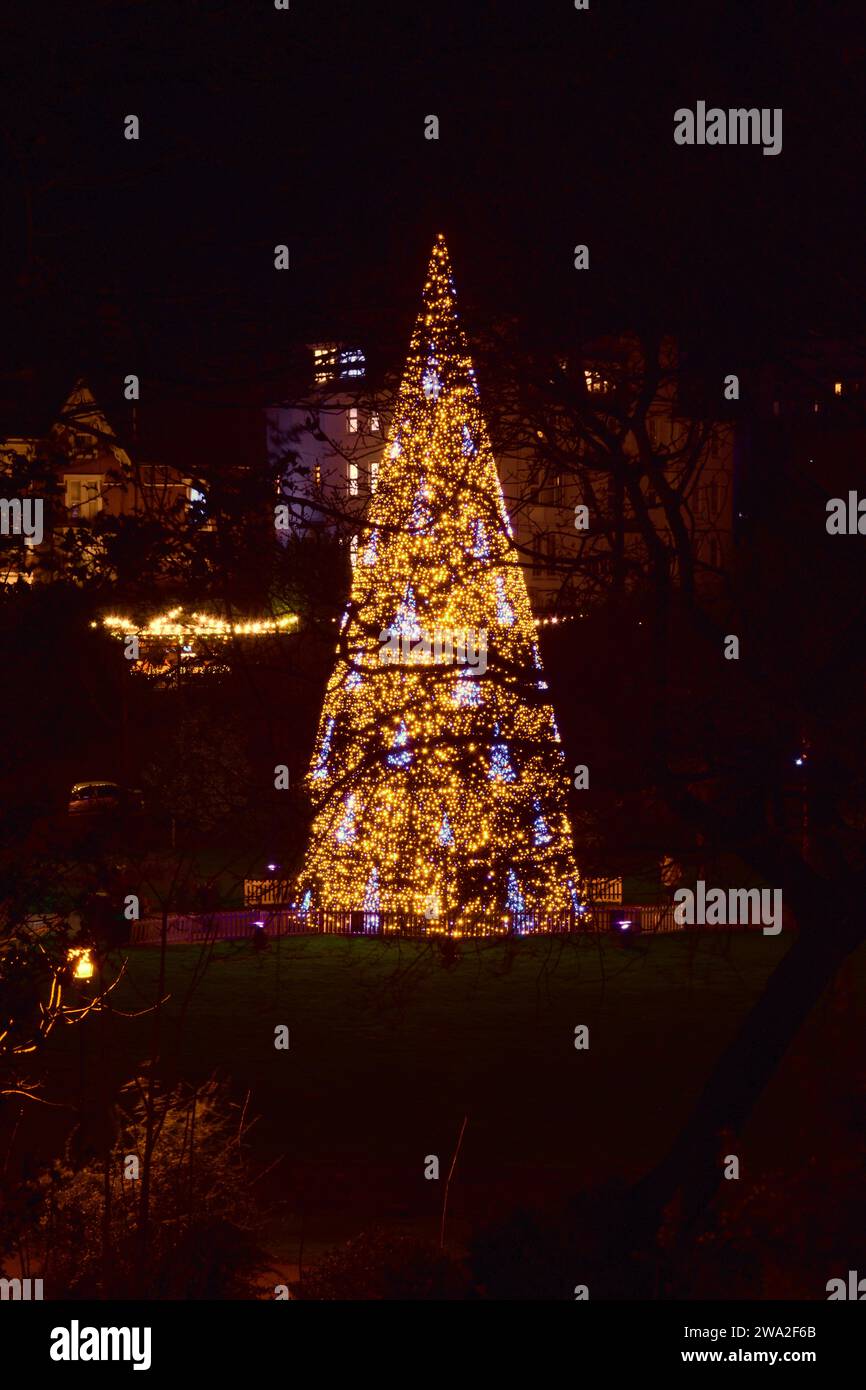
point(273, 922)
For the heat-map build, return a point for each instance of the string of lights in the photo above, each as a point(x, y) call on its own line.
point(174, 625)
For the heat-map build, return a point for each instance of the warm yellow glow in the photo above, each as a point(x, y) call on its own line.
point(837, 388)
point(80, 959)
point(437, 788)
point(176, 626)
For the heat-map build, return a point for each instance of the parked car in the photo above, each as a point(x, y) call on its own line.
point(91, 797)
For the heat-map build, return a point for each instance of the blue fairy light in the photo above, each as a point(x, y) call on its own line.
point(480, 543)
point(467, 691)
point(346, 829)
point(500, 761)
point(401, 754)
point(536, 658)
point(321, 768)
point(372, 548)
point(503, 512)
point(504, 611)
point(514, 901)
point(422, 517)
point(541, 833)
point(431, 383)
point(371, 900)
point(407, 619)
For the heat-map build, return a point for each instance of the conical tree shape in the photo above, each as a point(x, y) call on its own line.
point(438, 778)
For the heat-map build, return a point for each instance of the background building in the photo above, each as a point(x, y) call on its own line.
point(331, 443)
point(72, 458)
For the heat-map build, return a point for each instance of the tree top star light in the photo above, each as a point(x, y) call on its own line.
point(438, 779)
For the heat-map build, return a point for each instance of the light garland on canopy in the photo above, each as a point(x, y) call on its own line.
point(177, 627)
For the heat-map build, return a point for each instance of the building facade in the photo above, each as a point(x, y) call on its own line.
point(578, 525)
point(71, 461)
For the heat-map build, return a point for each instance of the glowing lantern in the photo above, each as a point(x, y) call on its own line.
point(80, 959)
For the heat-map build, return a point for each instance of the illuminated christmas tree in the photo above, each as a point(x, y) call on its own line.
point(438, 778)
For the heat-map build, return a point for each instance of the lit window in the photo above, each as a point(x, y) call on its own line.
point(352, 362)
point(83, 496)
point(595, 381)
point(330, 361)
point(323, 363)
point(353, 479)
point(352, 419)
point(837, 388)
point(374, 473)
point(374, 424)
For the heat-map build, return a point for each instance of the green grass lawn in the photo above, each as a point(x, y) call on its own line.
point(391, 1047)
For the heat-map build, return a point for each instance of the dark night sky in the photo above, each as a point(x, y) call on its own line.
point(306, 127)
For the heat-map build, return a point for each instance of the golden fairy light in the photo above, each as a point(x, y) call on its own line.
point(176, 626)
point(438, 787)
